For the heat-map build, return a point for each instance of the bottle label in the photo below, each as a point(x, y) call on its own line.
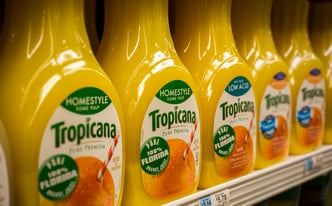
point(235, 129)
point(274, 118)
point(80, 159)
point(170, 142)
point(310, 109)
point(4, 180)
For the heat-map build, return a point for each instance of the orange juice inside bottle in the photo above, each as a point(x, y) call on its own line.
point(6, 186)
point(307, 74)
point(320, 33)
point(60, 110)
point(204, 41)
point(252, 32)
point(160, 100)
point(90, 16)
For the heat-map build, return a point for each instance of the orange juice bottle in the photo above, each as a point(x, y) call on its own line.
point(320, 33)
point(289, 27)
point(160, 100)
point(6, 187)
point(204, 40)
point(60, 110)
point(252, 32)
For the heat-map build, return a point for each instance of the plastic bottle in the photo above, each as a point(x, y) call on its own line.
point(6, 186)
point(307, 74)
point(61, 111)
point(252, 32)
point(320, 33)
point(204, 40)
point(160, 100)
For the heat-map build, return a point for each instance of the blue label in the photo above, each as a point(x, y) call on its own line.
point(280, 76)
point(238, 86)
point(304, 116)
point(315, 72)
point(205, 201)
point(309, 164)
point(268, 126)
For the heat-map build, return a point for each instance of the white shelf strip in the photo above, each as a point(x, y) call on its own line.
point(262, 184)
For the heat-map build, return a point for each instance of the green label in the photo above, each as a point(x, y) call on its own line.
point(238, 86)
point(88, 100)
point(154, 155)
point(175, 92)
point(224, 140)
point(58, 177)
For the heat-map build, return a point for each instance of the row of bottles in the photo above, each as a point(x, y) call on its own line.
point(146, 121)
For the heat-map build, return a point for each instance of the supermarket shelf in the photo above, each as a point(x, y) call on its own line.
point(262, 184)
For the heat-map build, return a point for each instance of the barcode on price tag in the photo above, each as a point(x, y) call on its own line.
point(313, 164)
point(216, 199)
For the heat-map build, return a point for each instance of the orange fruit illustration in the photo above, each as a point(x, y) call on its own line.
point(240, 161)
point(312, 134)
point(88, 190)
point(277, 146)
point(178, 176)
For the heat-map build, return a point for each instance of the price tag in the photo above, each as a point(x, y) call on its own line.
point(216, 199)
point(205, 201)
point(220, 198)
point(313, 164)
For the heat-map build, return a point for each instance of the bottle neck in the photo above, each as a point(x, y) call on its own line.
point(139, 25)
point(252, 28)
point(204, 26)
point(320, 27)
point(289, 23)
point(51, 24)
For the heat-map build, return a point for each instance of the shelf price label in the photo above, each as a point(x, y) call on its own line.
point(220, 198)
point(313, 164)
point(205, 201)
point(217, 199)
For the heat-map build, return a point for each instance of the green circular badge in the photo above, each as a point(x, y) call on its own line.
point(224, 140)
point(58, 177)
point(154, 155)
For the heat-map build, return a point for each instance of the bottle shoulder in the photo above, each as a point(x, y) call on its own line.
point(267, 64)
point(304, 61)
point(155, 68)
point(227, 67)
point(29, 87)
